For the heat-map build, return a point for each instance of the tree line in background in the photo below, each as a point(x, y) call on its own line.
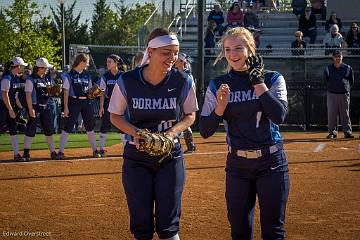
point(26, 32)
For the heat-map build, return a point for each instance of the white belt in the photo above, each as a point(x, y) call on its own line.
point(176, 140)
point(253, 154)
point(80, 97)
point(42, 105)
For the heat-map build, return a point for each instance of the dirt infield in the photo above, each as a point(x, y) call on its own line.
point(84, 199)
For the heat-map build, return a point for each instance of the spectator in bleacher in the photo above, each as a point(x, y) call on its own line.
point(298, 43)
point(250, 18)
point(235, 16)
point(333, 39)
point(210, 40)
point(270, 4)
point(318, 7)
point(339, 77)
point(217, 16)
point(246, 3)
point(298, 7)
point(307, 25)
point(333, 19)
point(353, 39)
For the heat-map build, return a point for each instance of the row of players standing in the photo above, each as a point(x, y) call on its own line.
point(76, 84)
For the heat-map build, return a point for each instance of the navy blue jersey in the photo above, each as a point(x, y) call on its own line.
point(156, 108)
point(77, 83)
point(37, 86)
point(108, 81)
point(247, 119)
point(11, 83)
point(339, 80)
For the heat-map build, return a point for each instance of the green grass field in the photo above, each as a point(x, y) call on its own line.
point(75, 141)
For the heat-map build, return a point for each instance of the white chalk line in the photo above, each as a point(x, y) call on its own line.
point(320, 147)
point(115, 157)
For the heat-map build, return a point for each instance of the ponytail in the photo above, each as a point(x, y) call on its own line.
point(7, 67)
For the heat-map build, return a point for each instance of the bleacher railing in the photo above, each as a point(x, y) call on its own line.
point(162, 15)
point(180, 21)
point(285, 52)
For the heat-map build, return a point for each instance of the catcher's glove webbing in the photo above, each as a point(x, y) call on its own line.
point(95, 91)
point(155, 144)
point(54, 90)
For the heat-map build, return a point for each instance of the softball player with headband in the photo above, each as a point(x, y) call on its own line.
point(76, 84)
point(154, 96)
point(10, 84)
point(38, 103)
point(183, 65)
point(107, 83)
point(251, 103)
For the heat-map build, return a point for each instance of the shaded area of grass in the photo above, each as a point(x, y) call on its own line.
point(75, 141)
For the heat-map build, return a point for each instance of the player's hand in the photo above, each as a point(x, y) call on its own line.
point(222, 97)
point(256, 69)
point(32, 113)
point(171, 134)
point(12, 114)
point(137, 139)
point(101, 111)
point(66, 112)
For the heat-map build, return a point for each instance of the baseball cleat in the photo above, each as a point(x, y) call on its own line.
point(53, 156)
point(26, 157)
point(60, 156)
point(348, 135)
point(331, 136)
point(96, 154)
point(19, 158)
point(102, 153)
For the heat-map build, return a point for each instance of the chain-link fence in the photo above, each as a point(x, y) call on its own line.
point(303, 75)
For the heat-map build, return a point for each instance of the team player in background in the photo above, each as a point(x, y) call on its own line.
point(114, 65)
point(76, 85)
point(158, 98)
point(183, 65)
point(10, 84)
point(251, 102)
point(39, 107)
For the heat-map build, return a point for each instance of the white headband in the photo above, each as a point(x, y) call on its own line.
point(157, 42)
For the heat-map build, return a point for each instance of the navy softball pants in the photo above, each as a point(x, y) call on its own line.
point(267, 177)
point(77, 106)
point(45, 116)
point(6, 122)
point(148, 186)
point(105, 120)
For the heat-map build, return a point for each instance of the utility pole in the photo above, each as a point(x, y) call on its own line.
point(200, 48)
point(63, 49)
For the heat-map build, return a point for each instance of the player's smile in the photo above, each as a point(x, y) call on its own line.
point(169, 64)
point(236, 60)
